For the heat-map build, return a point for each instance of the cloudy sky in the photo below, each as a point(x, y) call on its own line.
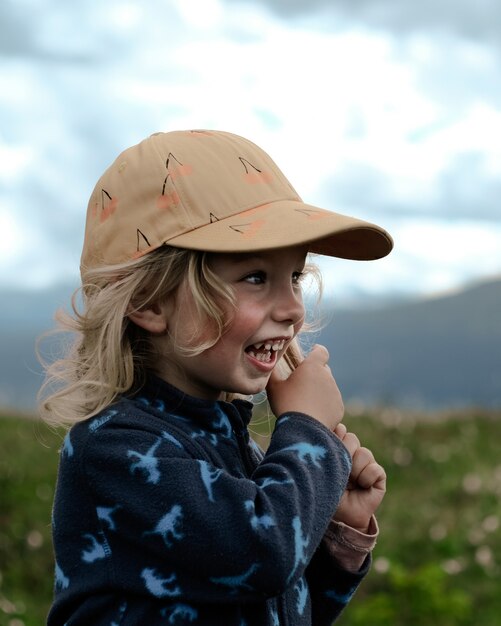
point(386, 109)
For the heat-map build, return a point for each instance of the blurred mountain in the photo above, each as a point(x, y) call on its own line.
point(441, 352)
point(24, 316)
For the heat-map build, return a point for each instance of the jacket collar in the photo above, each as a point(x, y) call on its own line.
point(163, 399)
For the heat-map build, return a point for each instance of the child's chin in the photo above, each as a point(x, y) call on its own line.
point(253, 388)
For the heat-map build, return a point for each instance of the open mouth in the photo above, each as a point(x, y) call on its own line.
point(266, 352)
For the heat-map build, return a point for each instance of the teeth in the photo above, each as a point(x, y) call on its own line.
point(270, 347)
point(264, 357)
point(278, 345)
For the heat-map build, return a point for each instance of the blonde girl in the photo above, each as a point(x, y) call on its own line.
point(165, 511)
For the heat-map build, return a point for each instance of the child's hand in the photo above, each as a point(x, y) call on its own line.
point(366, 486)
point(310, 389)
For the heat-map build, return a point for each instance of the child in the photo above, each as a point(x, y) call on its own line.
point(165, 511)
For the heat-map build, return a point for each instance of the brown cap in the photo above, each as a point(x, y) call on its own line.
point(213, 191)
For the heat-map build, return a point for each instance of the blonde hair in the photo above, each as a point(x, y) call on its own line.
point(110, 355)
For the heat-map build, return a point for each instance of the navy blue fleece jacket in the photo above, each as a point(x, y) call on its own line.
point(167, 513)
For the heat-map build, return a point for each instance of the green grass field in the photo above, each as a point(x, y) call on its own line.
point(438, 559)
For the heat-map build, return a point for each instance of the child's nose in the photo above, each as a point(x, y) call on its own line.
point(288, 306)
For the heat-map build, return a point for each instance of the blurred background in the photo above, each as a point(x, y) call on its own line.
point(385, 109)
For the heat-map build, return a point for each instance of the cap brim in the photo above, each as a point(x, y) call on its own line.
point(287, 223)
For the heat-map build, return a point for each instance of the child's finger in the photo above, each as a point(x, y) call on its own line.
point(361, 458)
point(310, 389)
point(366, 472)
point(373, 475)
point(340, 431)
point(319, 354)
point(351, 442)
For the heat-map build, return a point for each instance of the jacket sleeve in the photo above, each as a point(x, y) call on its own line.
point(196, 530)
point(350, 547)
point(331, 586)
point(338, 567)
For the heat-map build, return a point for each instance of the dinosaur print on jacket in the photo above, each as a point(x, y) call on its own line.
point(308, 453)
point(147, 463)
point(159, 586)
point(62, 581)
point(105, 513)
point(209, 477)
point(184, 612)
point(181, 532)
point(168, 526)
point(262, 521)
point(96, 550)
point(237, 582)
point(300, 545)
point(67, 446)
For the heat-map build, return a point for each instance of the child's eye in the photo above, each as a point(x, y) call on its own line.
point(256, 278)
point(296, 277)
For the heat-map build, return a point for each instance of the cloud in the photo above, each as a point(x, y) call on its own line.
point(39, 31)
point(470, 189)
point(63, 121)
point(84, 31)
point(11, 24)
point(478, 20)
point(395, 128)
point(429, 256)
point(455, 74)
point(467, 188)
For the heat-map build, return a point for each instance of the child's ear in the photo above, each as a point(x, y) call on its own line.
point(152, 318)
